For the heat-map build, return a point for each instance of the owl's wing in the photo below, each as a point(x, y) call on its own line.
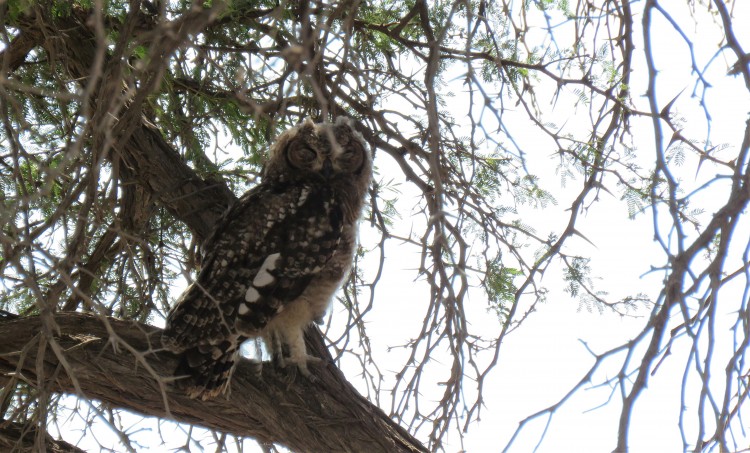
point(263, 253)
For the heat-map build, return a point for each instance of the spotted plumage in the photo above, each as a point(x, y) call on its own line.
point(275, 259)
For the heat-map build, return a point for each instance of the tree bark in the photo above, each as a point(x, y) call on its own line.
point(119, 362)
point(19, 438)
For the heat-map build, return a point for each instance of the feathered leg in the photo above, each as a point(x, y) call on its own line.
point(205, 371)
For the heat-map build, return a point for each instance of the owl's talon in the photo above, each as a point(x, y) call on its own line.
point(292, 367)
point(257, 368)
point(278, 361)
point(308, 375)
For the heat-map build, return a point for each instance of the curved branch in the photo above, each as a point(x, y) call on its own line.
point(117, 362)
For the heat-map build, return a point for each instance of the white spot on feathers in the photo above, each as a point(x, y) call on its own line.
point(252, 295)
point(264, 277)
point(303, 196)
point(243, 309)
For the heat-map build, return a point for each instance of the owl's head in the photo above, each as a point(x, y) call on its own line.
point(331, 152)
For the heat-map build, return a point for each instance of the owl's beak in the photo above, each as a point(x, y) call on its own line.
point(327, 170)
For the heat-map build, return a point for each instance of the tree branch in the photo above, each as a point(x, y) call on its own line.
point(17, 437)
point(118, 362)
point(19, 47)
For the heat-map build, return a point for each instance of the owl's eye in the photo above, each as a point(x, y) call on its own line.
point(351, 157)
point(302, 155)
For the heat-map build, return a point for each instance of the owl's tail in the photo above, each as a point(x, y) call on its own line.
point(205, 371)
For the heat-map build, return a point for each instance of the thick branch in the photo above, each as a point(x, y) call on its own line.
point(20, 438)
point(154, 164)
point(124, 369)
point(14, 55)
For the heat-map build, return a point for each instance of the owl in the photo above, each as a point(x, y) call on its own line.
point(275, 259)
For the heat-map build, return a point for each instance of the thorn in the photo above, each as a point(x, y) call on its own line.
point(578, 233)
point(664, 114)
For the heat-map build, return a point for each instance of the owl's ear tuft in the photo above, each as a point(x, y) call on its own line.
point(352, 125)
point(346, 121)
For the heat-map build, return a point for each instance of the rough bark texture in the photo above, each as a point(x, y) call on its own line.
point(117, 362)
point(20, 438)
point(156, 165)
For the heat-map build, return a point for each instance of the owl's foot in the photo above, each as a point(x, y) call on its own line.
point(257, 368)
point(288, 351)
point(293, 365)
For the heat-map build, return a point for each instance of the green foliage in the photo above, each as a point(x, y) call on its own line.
point(387, 193)
point(529, 191)
point(58, 8)
point(18, 7)
point(489, 176)
point(576, 274)
point(636, 200)
point(19, 300)
point(498, 283)
point(32, 180)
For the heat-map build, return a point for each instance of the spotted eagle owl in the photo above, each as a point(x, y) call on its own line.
point(276, 257)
